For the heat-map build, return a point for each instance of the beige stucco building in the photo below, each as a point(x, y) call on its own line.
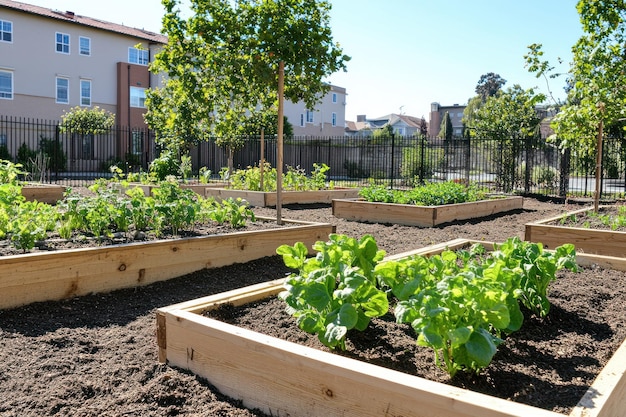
point(51, 61)
point(327, 119)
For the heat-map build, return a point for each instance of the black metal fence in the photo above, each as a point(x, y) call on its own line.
point(52, 154)
point(510, 165)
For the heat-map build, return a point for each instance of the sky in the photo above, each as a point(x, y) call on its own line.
point(407, 54)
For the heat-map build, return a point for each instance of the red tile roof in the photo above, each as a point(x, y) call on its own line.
point(85, 21)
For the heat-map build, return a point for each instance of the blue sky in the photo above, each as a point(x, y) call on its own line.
point(409, 53)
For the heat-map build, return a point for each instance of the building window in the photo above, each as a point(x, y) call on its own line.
point(84, 46)
point(85, 92)
point(309, 116)
point(334, 97)
point(138, 56)
point(137, 97)
point(6, 31)
point(62, 43)
point(301, 119)
point(63, 90)
point(136, 143)
point(6, 85)
point(334, 119)
point(3, 140)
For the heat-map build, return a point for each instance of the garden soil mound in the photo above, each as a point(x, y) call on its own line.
point(97, 355)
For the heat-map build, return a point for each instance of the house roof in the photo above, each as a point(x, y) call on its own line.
point(71, 17)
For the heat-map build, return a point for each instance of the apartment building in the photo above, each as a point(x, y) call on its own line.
point(327, 119)
point(53, 60)
point(437, 113)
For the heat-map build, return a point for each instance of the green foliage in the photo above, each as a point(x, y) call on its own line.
point(295, 179)
point(505, 117)
point(419, 162)
point(4, 153)
point(536, 267)
point(10, 172)
point(489, 85)
point(87, 121)
point(446, 130)
point(53, 149)
point(459, 303)
point(222, 65)
point(335, 291)
point(431, 194)
point(25, 155)
point(167, 164)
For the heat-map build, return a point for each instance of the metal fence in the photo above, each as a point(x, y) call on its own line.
point(51, 154)
point(511, 165)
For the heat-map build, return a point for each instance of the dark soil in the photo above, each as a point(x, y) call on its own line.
point(97, 355)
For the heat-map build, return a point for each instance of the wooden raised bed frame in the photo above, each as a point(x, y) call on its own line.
point(423, 216)
point(44, 193)
point(63, 274)
point(286, 379)
point(268, 199)
point(600, 242)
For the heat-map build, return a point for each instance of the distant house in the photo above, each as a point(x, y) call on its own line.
point(437, 113)
point(327, 119)
point(402, 125)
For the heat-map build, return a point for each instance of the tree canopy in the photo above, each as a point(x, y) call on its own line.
point(510, 113)
point(488, 85)
point(221, 65)
point(597, 82)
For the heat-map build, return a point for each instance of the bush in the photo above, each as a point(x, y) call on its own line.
point(53, 149)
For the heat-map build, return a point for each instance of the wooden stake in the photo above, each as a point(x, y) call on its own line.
point(279, 163)
point(262, 161)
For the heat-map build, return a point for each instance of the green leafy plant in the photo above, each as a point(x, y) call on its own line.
point(10, 172)
point(459, 303)
point(335, 291)
point(431, 194)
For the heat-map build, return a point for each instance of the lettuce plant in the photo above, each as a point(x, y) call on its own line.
point(335, 291)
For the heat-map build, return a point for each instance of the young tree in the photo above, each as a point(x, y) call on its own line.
point(446, 131)
point(423, 127)
point(505, 117)
point(597, 93)
point(222, 65)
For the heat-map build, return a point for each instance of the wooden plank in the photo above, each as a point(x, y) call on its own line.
point(45, 193)
point(602, 242)
point(365, 211)
point(421, 216)
point(594, 241)
point(268, 199)
point(57, 275)
point(284, 378)
point(477, 209)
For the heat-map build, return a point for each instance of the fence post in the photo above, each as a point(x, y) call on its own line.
point(527, 177)
point(422, 152)
point(468, 161)
point(565, 168)
point(57, 139)
point(393, 152)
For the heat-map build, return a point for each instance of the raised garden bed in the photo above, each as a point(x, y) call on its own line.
point(45, 193)
point(423, 216)
point(284, 378)
point(63, 274)
point(551, 234)
point(268, 199)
